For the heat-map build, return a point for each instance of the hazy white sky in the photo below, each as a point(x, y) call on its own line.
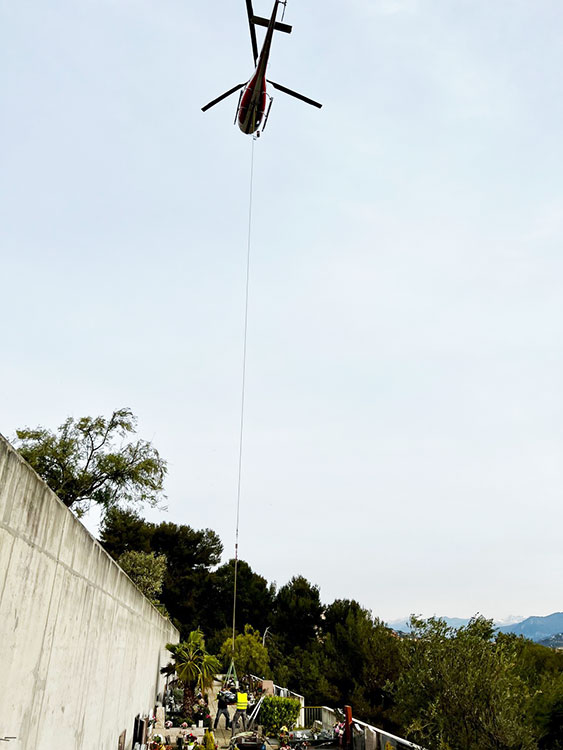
point(404, 429)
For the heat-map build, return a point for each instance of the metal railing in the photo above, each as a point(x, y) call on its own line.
point(379, 739)
point(364, 736)
point(286, 693)
point(327, 716)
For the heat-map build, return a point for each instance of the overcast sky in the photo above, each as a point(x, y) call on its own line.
point(404, 420)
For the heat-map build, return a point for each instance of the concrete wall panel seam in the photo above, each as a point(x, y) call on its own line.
point(73, 572)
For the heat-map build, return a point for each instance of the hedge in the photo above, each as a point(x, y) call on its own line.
point(277, 712)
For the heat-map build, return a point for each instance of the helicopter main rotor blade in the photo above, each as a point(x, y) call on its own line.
point(285, 90)
point(223, 96)
point(252, 30)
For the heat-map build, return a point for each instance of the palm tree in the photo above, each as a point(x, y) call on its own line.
point(194, 666)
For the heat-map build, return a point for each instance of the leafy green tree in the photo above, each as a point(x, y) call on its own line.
point(190, 554)
point(250, 655)
point(534, 662)
point(186, 548)
point(123, 530)
point(194, 666)
point(218, 638)
point(146, 570)
point(88, 461)
point(255, 598)
point(548, 712)
point(298, 612)
point(461, 689)
point(542, 670)
point(307, 671)
point(363, 658)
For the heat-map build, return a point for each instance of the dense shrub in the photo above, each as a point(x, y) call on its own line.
point(277, 712)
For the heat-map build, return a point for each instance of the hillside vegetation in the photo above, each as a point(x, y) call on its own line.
point(470, 688)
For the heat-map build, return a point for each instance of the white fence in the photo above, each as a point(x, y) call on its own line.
point(327, 716)
point(286, 693)
point(367, 737)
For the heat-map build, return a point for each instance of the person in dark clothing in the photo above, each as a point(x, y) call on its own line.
point(222, 710)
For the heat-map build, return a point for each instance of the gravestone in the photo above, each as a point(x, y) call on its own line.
point(371, 739)
point(160, 718)
point(388, 743)
point(268, 687)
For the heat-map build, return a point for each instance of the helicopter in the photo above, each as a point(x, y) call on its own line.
point(254, 102)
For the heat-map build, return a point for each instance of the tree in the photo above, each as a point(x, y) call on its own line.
point(186, 548)
point(542, 670)
point(87, 461)
point(187, 583)
point(123, 531)
point(548, 712)
point(362, 658)
point(146, 570)
point(250, 655)
point(187, 587)
point(461, 689)
point(255, 598)
point(298, 611)
point(194, 666)
point(307, 671)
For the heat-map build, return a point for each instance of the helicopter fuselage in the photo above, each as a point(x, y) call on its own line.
point(252, 104)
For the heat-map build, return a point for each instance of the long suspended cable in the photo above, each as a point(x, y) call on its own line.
point(241, 434)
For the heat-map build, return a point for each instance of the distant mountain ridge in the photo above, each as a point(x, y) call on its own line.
point(554, 641)
point(403, 625)
point(534, 628)
point(537, 628)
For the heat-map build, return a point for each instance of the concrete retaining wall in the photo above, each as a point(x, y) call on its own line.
point(80, 646)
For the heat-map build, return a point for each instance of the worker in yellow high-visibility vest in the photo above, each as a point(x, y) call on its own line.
point(240, 713)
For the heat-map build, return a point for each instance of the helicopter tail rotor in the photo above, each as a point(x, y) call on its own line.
point(259, 21)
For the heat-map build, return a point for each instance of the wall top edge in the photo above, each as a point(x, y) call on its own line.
point(8, 451)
